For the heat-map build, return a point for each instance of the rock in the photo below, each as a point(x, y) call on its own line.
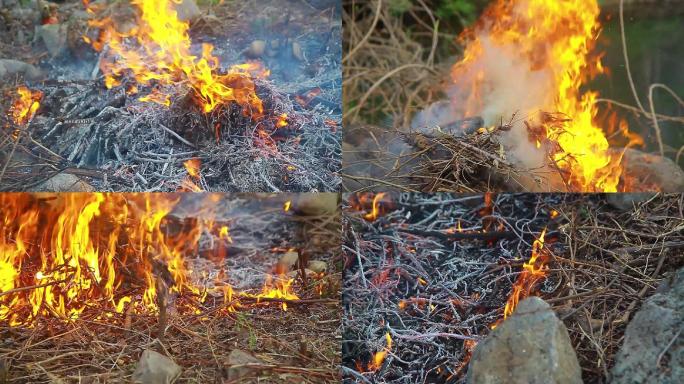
point(287, 261)
point(10, 67)
point(187, 10)
point(650, 353)
point(645, 172)
point(64, 182)
point(318, 266)
point(627, 201)
point(155, 368)
point(532, 347)
point(238, 358)
point(54, 36)
point(297, 51)
point(316, 204)
point(256, 49)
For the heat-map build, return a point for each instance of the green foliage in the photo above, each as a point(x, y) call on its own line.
point(465, 10)
point(242, 322)
point(399, 7)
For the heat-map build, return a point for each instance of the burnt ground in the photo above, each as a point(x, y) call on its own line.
point(437, 291)
point(300, 345)
point(115, 142)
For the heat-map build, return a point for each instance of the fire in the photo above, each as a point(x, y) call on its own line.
point(282, 121)
point(25, 106)
point(380, 356)
point(280, 289)
point(192, 166)
point(63, 253)
point(287, 206)
point(375, 213)
point(545, 47)
point(157, 52)
point(534, 270)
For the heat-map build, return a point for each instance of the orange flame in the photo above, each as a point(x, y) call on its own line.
point(25, 106)
point(63, 253)
point(534, 270)
point(282, 121)
point(158, 50)
point(552, 42)
point(380, 356)
point(375, 213)
point(280, 289)
point(192, 166)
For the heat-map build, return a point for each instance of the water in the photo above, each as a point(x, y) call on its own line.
point(655, 52)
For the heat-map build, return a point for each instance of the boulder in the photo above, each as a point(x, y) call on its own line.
point(64, 182)
point(627, 201)
point(530, 347)
point(187, 10)
point(316, 204)
point(10, 68)
point(318, 266)
point(236, 361)
point(54, 37)
point(155, 368)
point(653, 348)
point(645, 172)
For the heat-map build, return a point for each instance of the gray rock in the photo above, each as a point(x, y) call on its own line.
point(316, 204)
point(10, 67)
point(187, 10)
point(647, 172)
point(653, 349)
point(64, 182)
point(236, 361)
point(155, 368)
point(54, 37)
point(530, 347)
point(318, 266)
point(627, 201)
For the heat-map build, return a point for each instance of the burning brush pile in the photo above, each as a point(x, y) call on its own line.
point(429, 277)
point(147, 102)
point(97, 278)
point(517, 113)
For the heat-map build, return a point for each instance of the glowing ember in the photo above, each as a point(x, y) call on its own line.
point(25, 106)
point(157, 52)
point(375, 213)
point(61, 254)
point(528, 56)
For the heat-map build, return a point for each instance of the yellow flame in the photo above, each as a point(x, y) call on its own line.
point(158, 50)
point(380, 356)
point(533, 271)
point(375, 212)
point(554, 39)
point(25, 105)
point(63, 253)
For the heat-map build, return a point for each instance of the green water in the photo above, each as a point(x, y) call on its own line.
point(656, 52)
